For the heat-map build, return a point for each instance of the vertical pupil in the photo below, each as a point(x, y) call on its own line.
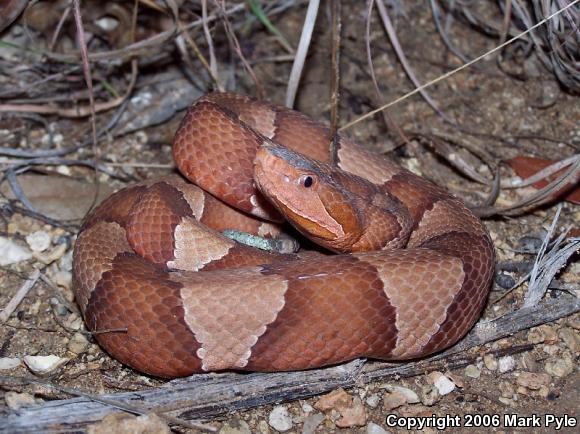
point(307, 181)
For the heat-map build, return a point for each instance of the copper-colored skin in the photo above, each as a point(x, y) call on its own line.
point(150, 264)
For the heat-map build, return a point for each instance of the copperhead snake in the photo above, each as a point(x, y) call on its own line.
point(171, 296)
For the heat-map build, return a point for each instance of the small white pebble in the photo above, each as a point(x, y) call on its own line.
point(38, 241)
point(64, 170)
point(63, 279)
point(443, 384)
point(15, 400)
point(472, 371)
point(560, 367)
point(506, 364)
point(44, 364)
point(11, 253)
point(373, 400)
point(410, 396)
point(7, 363)
point(373, 428)
point(78, 343)
point(280, 419)
point(490, 362)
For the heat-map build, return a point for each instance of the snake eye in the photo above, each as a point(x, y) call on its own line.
point(306, 180)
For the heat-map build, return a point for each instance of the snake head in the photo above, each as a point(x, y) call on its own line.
point(310, 195)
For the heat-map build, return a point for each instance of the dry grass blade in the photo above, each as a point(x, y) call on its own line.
point(141, 48)
point(238, 49)
point(542, 174)
point(553, 44)
point(89, 82)
point(19, 296)
point(336, 11)
point(335, 66)
point(17, 189)
point(387, 118)
point(184, 35)
point(212, 59)
point(568, 180)
point(301, 52)
point(549, 262)
point(442, 31)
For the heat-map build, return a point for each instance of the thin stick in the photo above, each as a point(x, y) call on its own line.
point(335, 77)
point(19, 296)
point(301, 52)
point(456, 70)
point(212, 59)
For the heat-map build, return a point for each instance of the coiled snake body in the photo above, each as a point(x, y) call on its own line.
point(172, 296)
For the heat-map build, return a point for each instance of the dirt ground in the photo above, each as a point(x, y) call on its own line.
point(505, 116)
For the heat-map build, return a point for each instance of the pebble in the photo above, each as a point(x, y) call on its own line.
point(307, 408)
point(65, 263)
point(44, 364)
point(311, 423)
point(458, 380)
point(78, 344)
point(570, 338)
point(59, 308)
point(551, 350)
point(15, 400)
point(52, 255)
point(549, 332)
point(235, 426)
point(354, 415)
point(535, 336)
point(373, 428)
point(530, 243)
point(333, 399)
point(504, 280)
point(73, 322)
point(443, 384)
point(472, 371)
point(280, 419)
point(263, 427)
point(392, 400)
point(505, 401)
point(506, 389)
point(63, 279)
point(429, 395)
point(7, 363)
point(506, 364)
point(38, 241)
point(533, 381)
point(559, 367)
point(11, 252)
point(574, 321)
point(351, 410)
point(410, 396)
point(373, 400)
point(528, 362)
point(544, 391)
point(490, 362)
point(123, 423)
